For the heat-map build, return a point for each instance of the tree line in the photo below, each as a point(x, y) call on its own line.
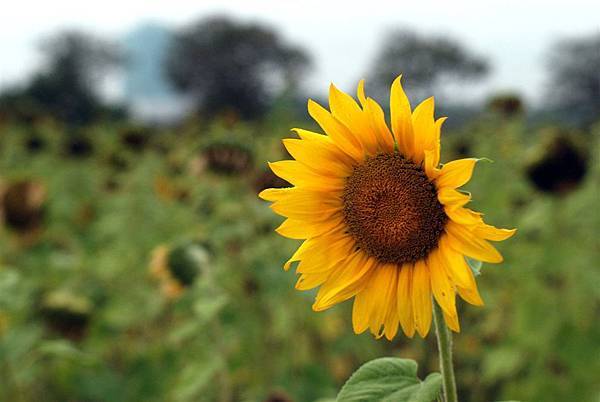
point(224, 65)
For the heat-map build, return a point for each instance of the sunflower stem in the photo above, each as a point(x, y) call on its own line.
point(444, 341)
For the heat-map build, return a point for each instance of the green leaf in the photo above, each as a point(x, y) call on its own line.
point(63, 350)
point(390, 379)
point(501, 363)
point(207, 306)
point(475, 265)
point(194, 378)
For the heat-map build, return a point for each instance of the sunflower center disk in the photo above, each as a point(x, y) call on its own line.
point(391, 209)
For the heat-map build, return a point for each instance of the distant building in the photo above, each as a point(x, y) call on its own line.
point(148, 94)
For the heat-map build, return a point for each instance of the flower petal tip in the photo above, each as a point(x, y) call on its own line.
point(397, 80)
point(263, 195)
point(360, 92)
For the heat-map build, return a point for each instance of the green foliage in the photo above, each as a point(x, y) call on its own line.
point(240, 331)
point(390, 379)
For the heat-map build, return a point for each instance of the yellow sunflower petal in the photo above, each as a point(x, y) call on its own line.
point(490, 232)
point(308, 135)
point(452, 322)
point(440, 285)
point(405, 310)
point(360, 312)
point(421, 298)
point(347, 111)
point(317, 158)
point(423, 128)
point(301, 176)
point(463, 240)
point(381, 288)
point(456, 173)
point(298, 229)
point(298, 253)
point(401, 118)
point(429, 165)
point(346, 281)
point(326, 252)
point(391, 325)
point(452, 198)
point(379, 126)
point(311, 281)
point(455, 264)
point(307, 205)
point(360, 92)
point(324, 141)
point(434, 146)
point(274, 194)
point(293, 229)
point(392, 321)
point(464, 216)
point(340, 135)
point(470, 293)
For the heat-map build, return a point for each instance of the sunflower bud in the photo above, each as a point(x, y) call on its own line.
point(23, 205)
point(78, 146)
point(507, 105)
point(559, 165)
point(178, 267)
point(135, 138)
point(66, 314)
point(228, 157)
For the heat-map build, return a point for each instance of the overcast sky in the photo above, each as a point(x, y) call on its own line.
point(342, 36)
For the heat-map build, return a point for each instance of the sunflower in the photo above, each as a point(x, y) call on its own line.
point(159, 269)
point(382, 221)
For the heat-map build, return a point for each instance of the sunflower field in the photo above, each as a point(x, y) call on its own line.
point(139, 264)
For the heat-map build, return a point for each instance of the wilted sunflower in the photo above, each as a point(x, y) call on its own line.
point(383, 222)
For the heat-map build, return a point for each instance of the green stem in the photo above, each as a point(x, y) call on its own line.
point(444, 340)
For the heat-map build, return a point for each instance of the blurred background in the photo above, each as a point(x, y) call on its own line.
point(138, 264)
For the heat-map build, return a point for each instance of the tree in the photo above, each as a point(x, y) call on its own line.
point(224, 65)
point(574, 75)
point(67, 86)
point(426, 62)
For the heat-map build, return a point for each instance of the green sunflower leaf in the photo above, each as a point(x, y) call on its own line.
point(390, 379)
point(475, 265)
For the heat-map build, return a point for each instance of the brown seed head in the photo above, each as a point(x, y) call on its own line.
point(391, 209)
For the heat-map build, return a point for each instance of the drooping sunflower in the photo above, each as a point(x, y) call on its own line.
point(382, 221)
